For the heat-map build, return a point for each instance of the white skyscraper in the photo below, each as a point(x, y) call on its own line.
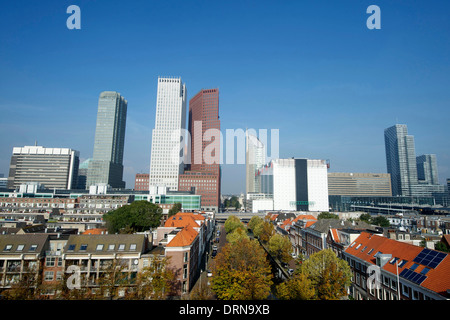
point(255, 158)
point(166, 161)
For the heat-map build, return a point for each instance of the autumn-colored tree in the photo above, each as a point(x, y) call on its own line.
point(156, 281)
point(23, 288)
point(112, 278)
point(236, 235)
point(280, 247)
point(232, 223)
point(254, 221)
point(330, 276)
point(241, 272)
point(299, 287)
point(267, 231)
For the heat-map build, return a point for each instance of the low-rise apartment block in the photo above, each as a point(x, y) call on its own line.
point(396, 270)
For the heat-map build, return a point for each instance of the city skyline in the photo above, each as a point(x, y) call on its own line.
point(315, 72)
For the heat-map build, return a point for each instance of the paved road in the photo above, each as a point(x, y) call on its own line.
point(203, 278)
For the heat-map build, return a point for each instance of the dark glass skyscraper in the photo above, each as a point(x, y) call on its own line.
point(106, 165)
point(400, 159)
point(204, 170)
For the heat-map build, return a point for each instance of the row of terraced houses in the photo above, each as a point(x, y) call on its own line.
point(383, 267)
point(48, 254)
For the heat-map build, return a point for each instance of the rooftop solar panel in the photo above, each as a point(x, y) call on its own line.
point(412, 276)
point(429, 258)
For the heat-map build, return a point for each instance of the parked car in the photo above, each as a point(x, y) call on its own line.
point(209, 274)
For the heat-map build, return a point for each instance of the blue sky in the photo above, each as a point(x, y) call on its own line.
point(311, 69)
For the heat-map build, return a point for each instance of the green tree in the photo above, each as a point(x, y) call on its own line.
point(232, 223)
point(175, 209)
point(254, 221)
point(366, 218)
point(441, 247)
point(135, 217)
point(329, 275)
point(380, 221)
point(233, 202)
point(280, 247)
point(241, 272)
point(327, 215)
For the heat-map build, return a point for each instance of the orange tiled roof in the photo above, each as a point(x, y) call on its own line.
point(184, 237)
point(196, 216)
point(437, 278)
point(335, 235)
point(95, 231)
point(305, 217)
point(181, 220)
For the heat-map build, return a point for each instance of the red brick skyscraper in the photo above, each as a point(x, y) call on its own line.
point(204, 171)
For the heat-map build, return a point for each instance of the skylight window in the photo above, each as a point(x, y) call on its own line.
point(393, 260)
point(425, 270)
point(414, 266)
point(402, 263)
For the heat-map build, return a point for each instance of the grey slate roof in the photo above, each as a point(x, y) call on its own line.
point(89, 243)
point(323, 225)
point(27, 240)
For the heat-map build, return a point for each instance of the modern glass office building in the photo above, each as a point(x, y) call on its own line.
point(427, 172)
point(167, 157)
point(359, 184)
point(50, 167)
point(106, 165)
point(400, 159)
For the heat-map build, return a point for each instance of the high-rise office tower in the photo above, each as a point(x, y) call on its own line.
point(427, 171)
point(51, 167)
point(106, 165)
point(167, 156)
point(204, 170)
point(296, 184)
point(255, 157)
point(400, 159)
